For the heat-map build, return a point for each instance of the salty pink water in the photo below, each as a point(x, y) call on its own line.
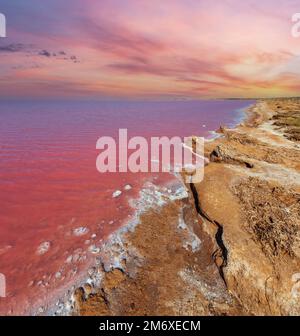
point(50, 185)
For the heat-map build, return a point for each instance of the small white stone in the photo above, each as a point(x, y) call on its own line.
point(80, 231)
point(40, 310)
point(58, 275)
point(117, 193)
point(128, 187)
point(93, 236)
point(43, 248)
point(93, 249)
point(69, 259)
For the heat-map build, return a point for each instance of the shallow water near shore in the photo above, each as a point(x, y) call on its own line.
point(55, 207)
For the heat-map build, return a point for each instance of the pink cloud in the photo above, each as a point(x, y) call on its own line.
point(197, 48)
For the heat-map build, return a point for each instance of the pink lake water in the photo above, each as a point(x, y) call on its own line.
point(50, 186)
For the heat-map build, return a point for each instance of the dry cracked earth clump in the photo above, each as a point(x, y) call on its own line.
point(288, 120)
point(271, 214)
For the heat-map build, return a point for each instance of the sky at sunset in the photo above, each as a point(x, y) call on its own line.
point(149, 49)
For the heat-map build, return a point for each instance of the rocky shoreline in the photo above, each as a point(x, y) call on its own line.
point(252, 187)
point(229, 245)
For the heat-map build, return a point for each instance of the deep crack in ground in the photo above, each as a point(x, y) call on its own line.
point(219, 234)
